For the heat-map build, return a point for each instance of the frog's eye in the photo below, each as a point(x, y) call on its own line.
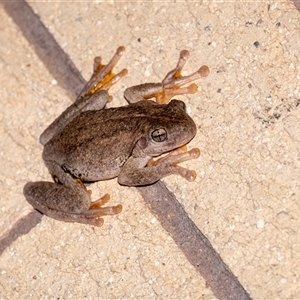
point(159, 135)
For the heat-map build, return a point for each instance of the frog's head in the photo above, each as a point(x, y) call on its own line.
point(171, 127)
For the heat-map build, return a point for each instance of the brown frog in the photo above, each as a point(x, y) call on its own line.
point(89, 143)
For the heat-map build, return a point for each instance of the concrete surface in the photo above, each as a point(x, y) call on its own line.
point(246, 196)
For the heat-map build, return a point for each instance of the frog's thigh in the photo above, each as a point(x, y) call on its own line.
point(51, 198)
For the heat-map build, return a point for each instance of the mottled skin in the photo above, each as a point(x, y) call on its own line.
point(90, 143)
point(96, 144)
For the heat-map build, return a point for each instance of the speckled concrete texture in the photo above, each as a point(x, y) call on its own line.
point(246, 196)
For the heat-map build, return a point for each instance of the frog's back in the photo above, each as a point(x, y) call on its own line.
point(96, 144)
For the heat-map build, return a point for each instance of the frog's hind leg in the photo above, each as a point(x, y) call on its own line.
point(103, 77)
point(97, 210)
point(94, 95)
point(67, 199)
point(65, 204)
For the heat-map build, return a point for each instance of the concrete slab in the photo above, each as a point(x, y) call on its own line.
point(246, 196)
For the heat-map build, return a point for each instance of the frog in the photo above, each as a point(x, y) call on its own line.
point(139, 143)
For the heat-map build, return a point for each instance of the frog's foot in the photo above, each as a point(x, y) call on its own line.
point(171, 86)
point(173, 82)
point(175, 157)
point(103, 77)
point(93, 216)
point(96, 208)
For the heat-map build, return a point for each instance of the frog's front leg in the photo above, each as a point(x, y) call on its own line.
point(170, 86)
point(143, 171)
point(68, 200)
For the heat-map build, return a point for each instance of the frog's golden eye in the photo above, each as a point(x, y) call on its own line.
point(159, 135)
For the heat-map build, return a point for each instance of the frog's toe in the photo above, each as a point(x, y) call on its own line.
point(175, 157)
point(103, 77)
point(174, 80)
point(97, 209)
